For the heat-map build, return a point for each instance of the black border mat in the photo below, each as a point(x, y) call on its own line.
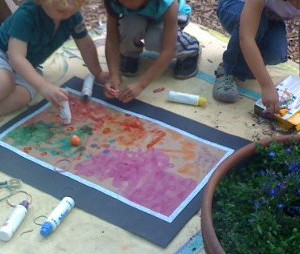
point(100, 204)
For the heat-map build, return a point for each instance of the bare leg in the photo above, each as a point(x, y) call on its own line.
point(18, 99)
point(6, 84)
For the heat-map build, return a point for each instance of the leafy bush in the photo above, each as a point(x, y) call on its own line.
point(256, 208)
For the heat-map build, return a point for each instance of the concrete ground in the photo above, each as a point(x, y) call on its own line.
point(84, 233)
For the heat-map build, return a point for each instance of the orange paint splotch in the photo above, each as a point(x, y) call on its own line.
point(186, 144)
point(156, 140)
point(189, 154)
point(175, 136)
point(70, 128)
point(106, 131)
point(190, 170)
point(27, 149)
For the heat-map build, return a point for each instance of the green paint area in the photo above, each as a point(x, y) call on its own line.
point(36, 133)
point(50, 138)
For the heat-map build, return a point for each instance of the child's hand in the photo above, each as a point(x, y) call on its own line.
point(112, 88)
point(131, 92)
point(102, 77)
point(270, 99)
point(54, 94)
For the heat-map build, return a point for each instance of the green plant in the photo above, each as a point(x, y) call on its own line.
point(256, 208)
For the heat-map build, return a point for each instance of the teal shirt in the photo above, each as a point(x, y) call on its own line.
point(154, 9)
point(31, 25)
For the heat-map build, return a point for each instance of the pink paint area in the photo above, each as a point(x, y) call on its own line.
point(144, 177)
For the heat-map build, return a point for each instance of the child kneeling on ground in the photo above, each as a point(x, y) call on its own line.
point(27, 38)
point(258, 38)
point(155, 25)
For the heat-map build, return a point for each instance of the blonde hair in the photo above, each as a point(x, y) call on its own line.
point(66, 3)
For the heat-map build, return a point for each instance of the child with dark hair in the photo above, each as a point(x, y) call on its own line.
point(156, 26)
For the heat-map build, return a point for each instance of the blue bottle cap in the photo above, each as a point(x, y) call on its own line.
point(46, 229)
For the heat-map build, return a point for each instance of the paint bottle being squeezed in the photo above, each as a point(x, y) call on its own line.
point(14, 220)
point(65, 113)
point(57, 216)
point(185, 98)
point(87, 88)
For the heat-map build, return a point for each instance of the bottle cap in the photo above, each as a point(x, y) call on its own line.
point(202, 101)
point(85, 97)
point(5, 235)
point(25, 203)
point(46, 229)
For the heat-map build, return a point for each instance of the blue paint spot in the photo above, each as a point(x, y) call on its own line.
point(194, 245)
point(112, 141)
point(106, 151)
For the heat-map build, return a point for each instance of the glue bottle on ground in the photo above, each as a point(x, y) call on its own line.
point(57, 216)
point(14, 220)
point(185, 98)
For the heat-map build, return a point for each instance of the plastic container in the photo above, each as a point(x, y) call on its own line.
point(185, 98)
point(14, 220)
point(57, 216)
point(87, 88)
point(65, 113)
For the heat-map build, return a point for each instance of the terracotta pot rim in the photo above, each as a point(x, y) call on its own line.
point(212, 244)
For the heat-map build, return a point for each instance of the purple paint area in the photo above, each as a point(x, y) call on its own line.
point(144, 177)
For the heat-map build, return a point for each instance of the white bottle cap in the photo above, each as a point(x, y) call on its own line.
point(6, 234)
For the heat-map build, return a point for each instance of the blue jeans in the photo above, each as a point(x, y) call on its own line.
point(270, 38)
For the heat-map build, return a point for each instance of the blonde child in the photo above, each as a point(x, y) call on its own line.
point(28, 38)
point(258, 38)
point(155, 25)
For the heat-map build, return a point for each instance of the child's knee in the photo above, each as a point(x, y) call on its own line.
point(23, 96)
point(6, 81)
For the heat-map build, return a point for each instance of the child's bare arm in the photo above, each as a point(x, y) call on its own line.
point(89, 54)
point(17, 51)
point(112, 52)
point(250, 20)
point(164, 59)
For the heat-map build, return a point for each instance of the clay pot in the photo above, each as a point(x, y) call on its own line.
point(211, 242)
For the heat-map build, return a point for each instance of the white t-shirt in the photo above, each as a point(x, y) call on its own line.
point(283, 9)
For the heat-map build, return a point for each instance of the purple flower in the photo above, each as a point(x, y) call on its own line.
point(281, 185)
point(294, 167)
point(274, 192)
point(288, 150)
point(281, 206)
point(272, 154)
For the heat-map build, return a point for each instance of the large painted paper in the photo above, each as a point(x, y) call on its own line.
point(143, 162)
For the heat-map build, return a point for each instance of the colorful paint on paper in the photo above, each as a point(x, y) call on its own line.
point(151, 165)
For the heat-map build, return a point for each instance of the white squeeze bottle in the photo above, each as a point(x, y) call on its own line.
point(87, 88)
point(57, 216)
point(65, 113)
point(14, 220)
point(185, 98)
